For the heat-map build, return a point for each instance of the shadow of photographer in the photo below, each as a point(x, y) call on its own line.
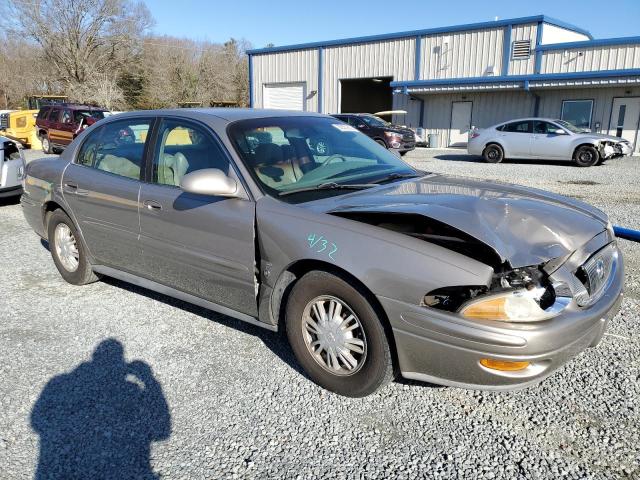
point(99, 420)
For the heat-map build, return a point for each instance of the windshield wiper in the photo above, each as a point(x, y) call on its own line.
point(396, 176)
point(329, 186)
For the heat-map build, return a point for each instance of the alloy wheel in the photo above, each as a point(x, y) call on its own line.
point(66, 247)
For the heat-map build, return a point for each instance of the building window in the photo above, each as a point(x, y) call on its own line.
point(578, 112)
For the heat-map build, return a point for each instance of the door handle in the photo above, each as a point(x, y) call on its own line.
point(73, 189)
point(152, 205)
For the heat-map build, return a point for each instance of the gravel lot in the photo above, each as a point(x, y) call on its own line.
point(223, 399)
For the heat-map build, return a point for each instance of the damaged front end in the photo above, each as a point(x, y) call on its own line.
point(609, 149)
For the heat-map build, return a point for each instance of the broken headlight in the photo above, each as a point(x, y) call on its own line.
point(521, 305)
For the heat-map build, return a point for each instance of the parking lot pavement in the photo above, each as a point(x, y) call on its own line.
point(187, 393)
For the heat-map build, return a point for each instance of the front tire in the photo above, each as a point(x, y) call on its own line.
point(337, 336)
point(46, 144)
point(493, 154)
point(586, 156)
point(68, 251)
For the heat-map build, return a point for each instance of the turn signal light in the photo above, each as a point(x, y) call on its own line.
point(503, 365)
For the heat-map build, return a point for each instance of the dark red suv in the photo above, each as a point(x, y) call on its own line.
point(59, 124)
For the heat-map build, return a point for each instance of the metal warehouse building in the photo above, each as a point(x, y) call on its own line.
point(451, 78)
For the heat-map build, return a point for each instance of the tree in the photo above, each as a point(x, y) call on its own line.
point(80, 37)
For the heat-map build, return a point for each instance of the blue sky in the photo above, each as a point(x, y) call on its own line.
point(285, 22)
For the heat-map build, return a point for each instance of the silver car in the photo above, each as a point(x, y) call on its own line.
point(12, 167)
point(371, 267)
point(545, 139)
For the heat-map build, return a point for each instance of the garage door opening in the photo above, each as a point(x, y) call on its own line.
point(366, 95)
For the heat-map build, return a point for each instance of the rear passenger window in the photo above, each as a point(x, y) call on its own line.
point(184, 148)
point(518, 127)
point(116, 147)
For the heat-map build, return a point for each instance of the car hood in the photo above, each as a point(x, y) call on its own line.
point(601, 136)
point(524, 226)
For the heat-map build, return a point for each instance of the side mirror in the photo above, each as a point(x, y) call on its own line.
point(209, 181)
point(558, 131)
point(362, 126)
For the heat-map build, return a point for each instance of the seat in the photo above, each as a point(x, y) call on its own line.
point(172, 169)
point(271, 166)
point(119, 166)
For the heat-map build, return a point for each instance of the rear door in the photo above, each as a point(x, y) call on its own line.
point(52, 124)
point(198, 244)
point(102, 187)
point(515, 137)
point(460, 123)
point(547, 144)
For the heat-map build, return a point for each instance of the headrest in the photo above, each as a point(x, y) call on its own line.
point(268, 154)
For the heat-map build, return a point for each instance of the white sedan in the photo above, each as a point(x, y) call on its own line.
point(545, 139)
point(12, 167)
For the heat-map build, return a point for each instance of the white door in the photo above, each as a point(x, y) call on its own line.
point(460, 124)
point(625, 116)
point(289, 96)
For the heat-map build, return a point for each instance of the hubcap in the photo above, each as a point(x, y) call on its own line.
point(66, 247)
point(334, 335)
point(493, 154)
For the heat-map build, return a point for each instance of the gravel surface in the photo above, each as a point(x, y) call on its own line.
point(198, 395)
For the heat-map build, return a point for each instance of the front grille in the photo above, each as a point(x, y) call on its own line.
point(595, 275)
point(4, 121)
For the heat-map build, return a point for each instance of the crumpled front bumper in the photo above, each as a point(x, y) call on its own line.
point(443, 348)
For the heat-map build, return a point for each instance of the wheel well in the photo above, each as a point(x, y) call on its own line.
point(47, 209)
point(380, 139)
point(298, 269)
point(42, 133)
point(586, 145)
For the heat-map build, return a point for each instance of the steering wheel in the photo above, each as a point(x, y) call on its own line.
point(333, 157)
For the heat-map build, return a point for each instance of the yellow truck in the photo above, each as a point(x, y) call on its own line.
point(20, 125)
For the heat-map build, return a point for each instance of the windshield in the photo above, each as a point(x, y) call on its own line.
point(374, 121)
point(569, 126)
point(304, 153)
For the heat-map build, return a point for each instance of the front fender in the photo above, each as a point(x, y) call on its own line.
point(387, 263)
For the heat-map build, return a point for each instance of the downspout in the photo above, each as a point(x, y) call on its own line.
point(536, 98)
point(250, 81)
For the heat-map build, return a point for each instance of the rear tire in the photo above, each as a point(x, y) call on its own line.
point(493, 153)
point(586, 156)
point(362, 360)
point(68, 251)
point(46, 144)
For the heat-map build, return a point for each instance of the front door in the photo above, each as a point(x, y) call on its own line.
point(625, 117)
point(546, 143)
point(460, 124)
point(198, 244)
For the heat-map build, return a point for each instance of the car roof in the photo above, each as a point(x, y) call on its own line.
point(227, 114)
point(544, 119)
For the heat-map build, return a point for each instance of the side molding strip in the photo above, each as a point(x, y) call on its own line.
point(186, 297)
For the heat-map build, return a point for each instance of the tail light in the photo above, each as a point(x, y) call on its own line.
point(474, 134)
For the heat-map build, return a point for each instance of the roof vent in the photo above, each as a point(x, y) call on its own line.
point(521, 49)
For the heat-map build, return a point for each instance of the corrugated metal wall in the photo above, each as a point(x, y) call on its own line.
point(551, 102)
point(392, 58)
point(524, 32)
point(488, 109)
point(286, 67)
point(462, 54)
point(611, 57)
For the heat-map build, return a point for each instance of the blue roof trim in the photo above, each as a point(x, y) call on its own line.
point(250, 82)
point(589, 43)
point(566, 26)
point(517, 78)
point(415, 33)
